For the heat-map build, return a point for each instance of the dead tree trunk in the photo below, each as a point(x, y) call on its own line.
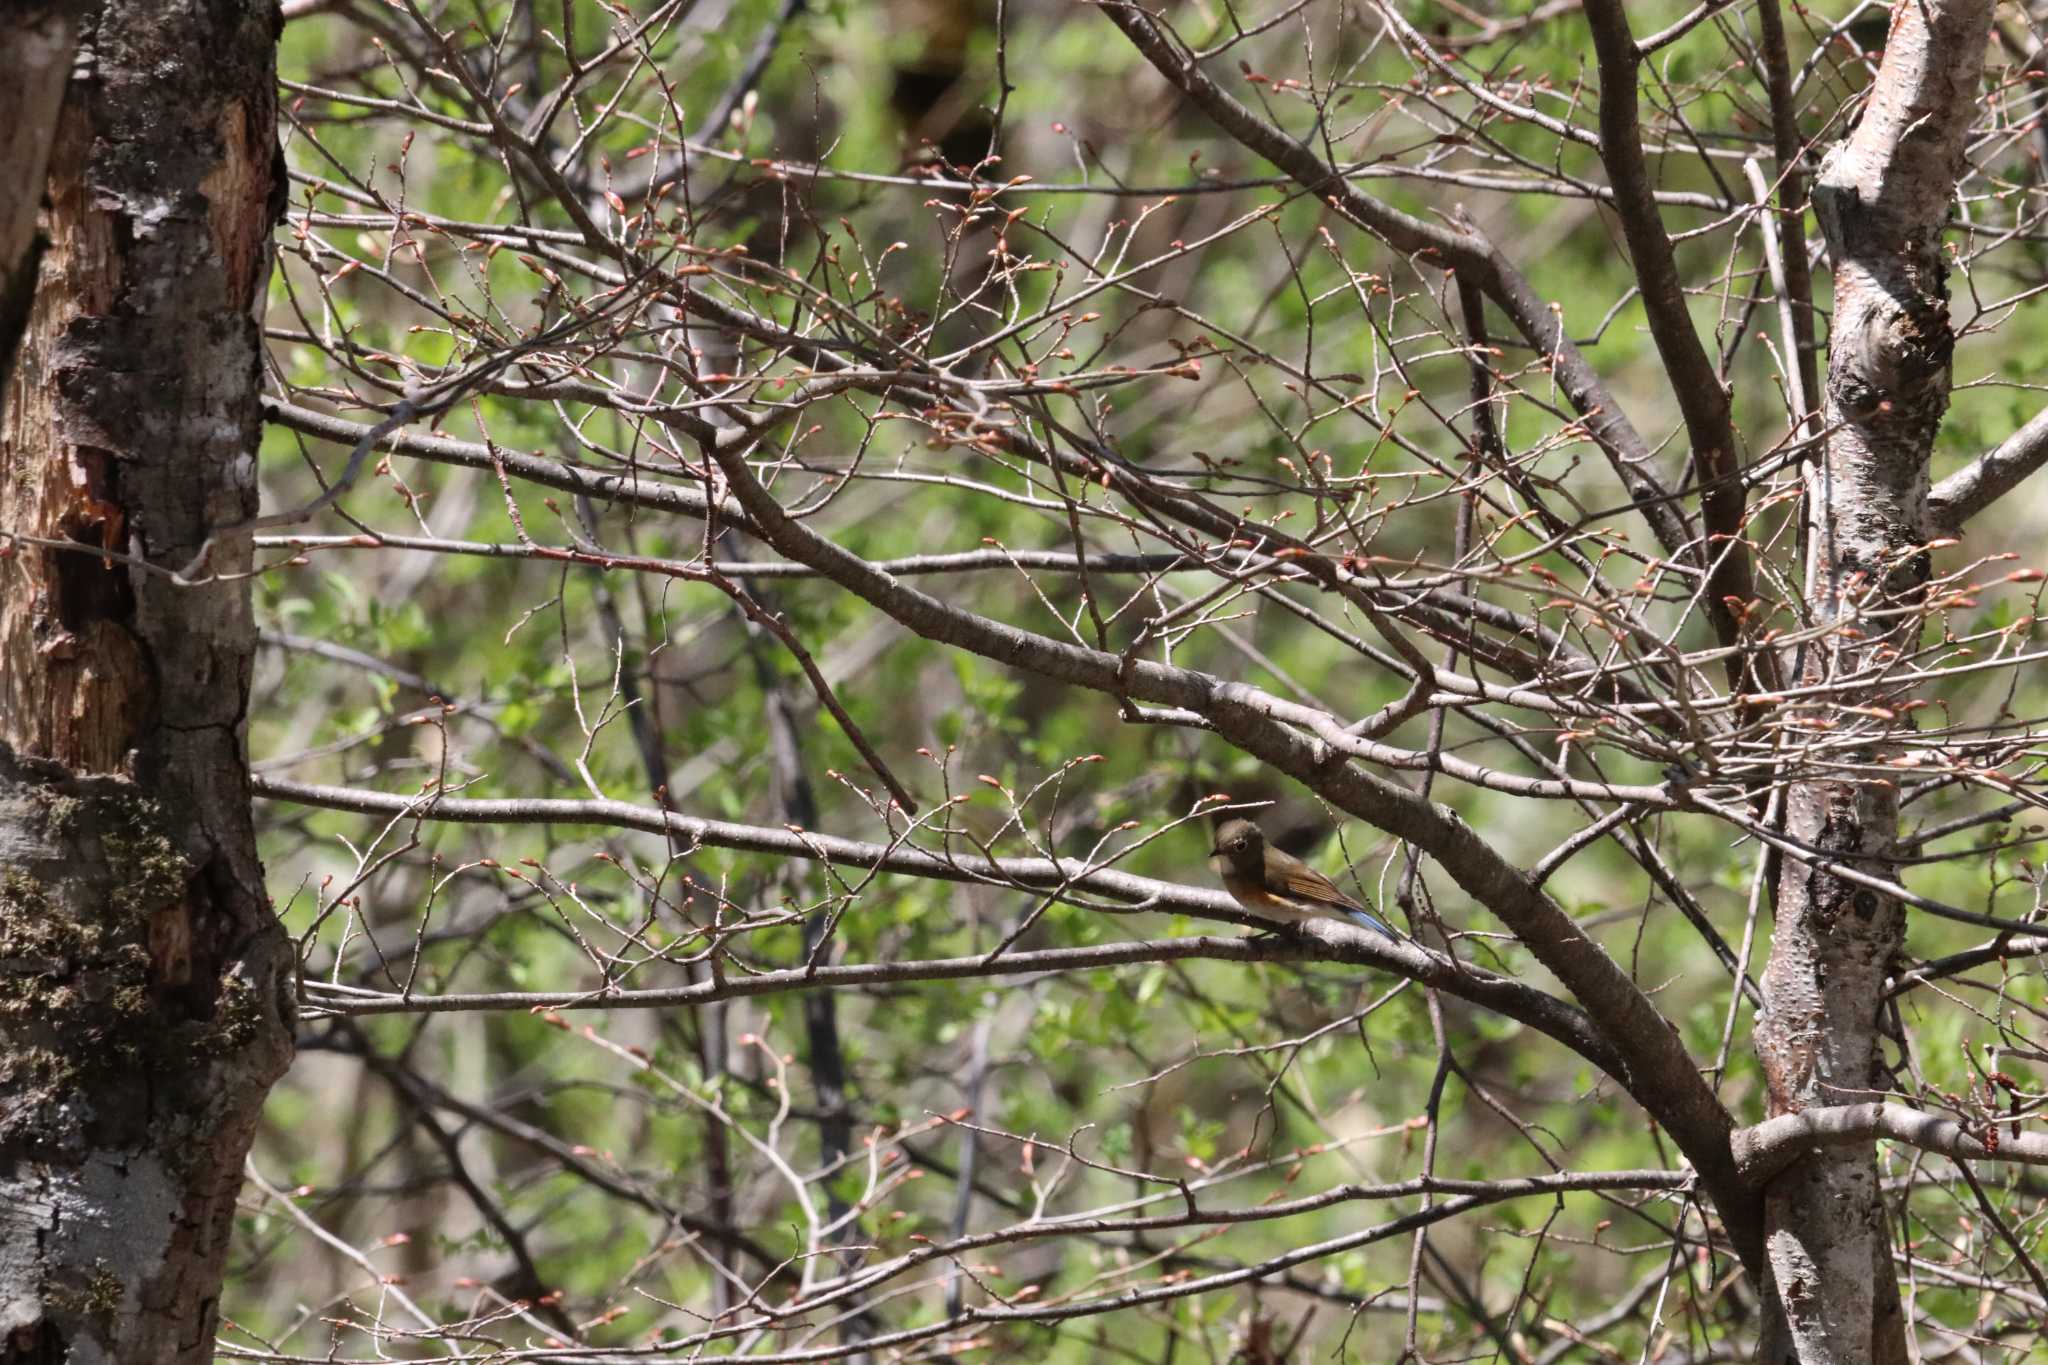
point(1882, 198)
point(146, 989)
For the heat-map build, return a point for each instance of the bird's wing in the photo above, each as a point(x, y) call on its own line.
point(1305, 884)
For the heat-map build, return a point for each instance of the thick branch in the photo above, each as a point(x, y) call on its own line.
point(1770, 1147)
point(2000, 949)
point(1656, 1069)
point(1989, 477)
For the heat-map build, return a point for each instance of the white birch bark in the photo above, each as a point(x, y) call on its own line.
point(1883, 199)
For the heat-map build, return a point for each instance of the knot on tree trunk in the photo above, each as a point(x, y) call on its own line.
point(1892, 354)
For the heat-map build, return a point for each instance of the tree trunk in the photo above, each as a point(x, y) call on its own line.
point(146, 990)
point(1882, 198)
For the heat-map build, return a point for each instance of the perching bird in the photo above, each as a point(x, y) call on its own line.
point(1279, 886)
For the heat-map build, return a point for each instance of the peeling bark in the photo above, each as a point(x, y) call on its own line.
point(36, 51)
point(145, 987)
point(1883, 198)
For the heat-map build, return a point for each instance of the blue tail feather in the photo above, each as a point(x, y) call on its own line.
point(1366, 920)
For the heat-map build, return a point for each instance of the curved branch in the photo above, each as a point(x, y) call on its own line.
point(2006, 945)
point(633, 489)
point(1988, 478)
point(1761, 1152)
point(1316, 940)
point(1654, 1065)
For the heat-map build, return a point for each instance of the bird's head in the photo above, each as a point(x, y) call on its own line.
point(1239, 840)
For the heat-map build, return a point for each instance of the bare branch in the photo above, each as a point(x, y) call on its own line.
point(1770, 1147)
point(1963, 494)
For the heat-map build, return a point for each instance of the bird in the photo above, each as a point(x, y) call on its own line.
point(1279, 886)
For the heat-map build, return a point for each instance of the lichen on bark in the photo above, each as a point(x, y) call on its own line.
point(93, 993)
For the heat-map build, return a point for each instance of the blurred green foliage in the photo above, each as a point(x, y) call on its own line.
point(1178, 1069)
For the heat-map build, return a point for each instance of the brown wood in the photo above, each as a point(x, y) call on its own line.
point(146, 1007)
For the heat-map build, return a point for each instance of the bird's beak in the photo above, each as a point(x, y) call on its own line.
point(1216, 852)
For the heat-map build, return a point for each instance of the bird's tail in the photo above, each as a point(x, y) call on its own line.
point(1365, 919)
